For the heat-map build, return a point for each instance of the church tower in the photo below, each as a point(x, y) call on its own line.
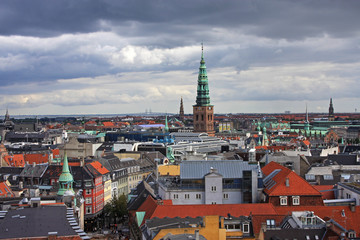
point(181, 113)
point(203, 111)
point(331, 111)
point(66, 180)
point(7, 116)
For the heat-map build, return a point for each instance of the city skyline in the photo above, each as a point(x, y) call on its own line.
point(117, 57)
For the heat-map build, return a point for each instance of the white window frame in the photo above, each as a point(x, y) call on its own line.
point(283, 201)
point(351, 234)
point(296, 200)
point(88, 200)
point(213, 188)
point(226, 196)
point(187, 196)
point(176, 196)
point(198, 196)
point(270, 223)
point(88, 191)
point(247, 226)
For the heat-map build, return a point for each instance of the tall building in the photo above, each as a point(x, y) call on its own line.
point(181, 113)
point(331, 111)
point(203, 111)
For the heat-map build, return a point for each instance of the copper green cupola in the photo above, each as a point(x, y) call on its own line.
point(66, 180)
point(203, 97)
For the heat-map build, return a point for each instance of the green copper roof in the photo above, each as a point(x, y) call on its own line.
point(66, 179)
point(203, 97)
point(140, 217)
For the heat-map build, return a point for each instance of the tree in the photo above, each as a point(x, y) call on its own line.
point(116, 209)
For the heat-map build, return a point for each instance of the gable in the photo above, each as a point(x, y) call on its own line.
point(281, 181)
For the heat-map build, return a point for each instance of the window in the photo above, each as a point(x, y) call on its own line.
point(296, 200)
point(213, 188)
point(309, 177)
point(213, 202)
point(187, 196)
point(198, 196)
point(351, 234)
point(88, 191)
point(88, 200)
point(348, 195)
point(283, 200)
point(226, 196)
point(270, 223)
point(176, 196)
point(328, 177)
point(246, 228)
point(88, 210)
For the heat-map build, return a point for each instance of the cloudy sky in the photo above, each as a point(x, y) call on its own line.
point(118, 56)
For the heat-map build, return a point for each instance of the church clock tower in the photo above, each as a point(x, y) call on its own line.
point(203, 111)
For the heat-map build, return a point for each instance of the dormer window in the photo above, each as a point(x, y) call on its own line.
point(246, 228)
point(296, 200)
point(283, 200)
point(351, 234)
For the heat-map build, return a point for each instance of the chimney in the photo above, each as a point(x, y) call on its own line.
point(287, 183)
point(352, 207)
point(197, 236)
point(52, 235)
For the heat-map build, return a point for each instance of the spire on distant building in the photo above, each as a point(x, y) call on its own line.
point(203, 97)
point(331, 111)
point(7, 116)
point(181, 115)
point(307, 123)
point(166, 125)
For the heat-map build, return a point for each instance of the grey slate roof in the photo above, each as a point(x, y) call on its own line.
point(342, 159)
point(227, 168)
point(35, 222)
point(279, 234)
point(34, 171)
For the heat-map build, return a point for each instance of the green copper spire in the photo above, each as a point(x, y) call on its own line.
point(203, 97)
point(307, 123)
point(66, 179)
point(166, 124)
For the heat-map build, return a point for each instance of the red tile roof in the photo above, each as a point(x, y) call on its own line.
point(16, 160)
point(297, 185)
point(326, 191)
point(99, 167)
point(235, 210)
point(108, 124)
point(36, 158)
point(5, 191)
point(148, 206)
point(56, 153)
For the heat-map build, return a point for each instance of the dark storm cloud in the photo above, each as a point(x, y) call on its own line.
point(273, 19)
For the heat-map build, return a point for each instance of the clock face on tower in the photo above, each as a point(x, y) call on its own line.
point(209, 108)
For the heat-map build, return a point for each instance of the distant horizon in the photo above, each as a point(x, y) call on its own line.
point(154, 114)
